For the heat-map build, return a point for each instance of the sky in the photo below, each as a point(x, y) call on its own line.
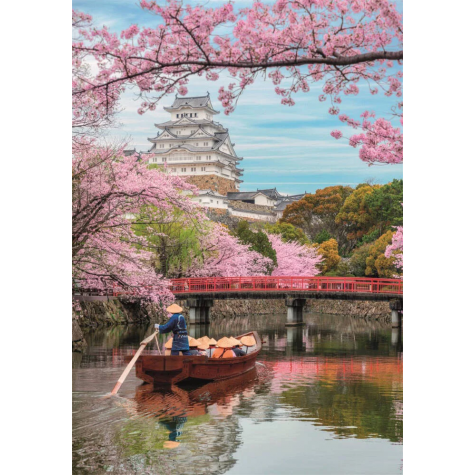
point(289, 148)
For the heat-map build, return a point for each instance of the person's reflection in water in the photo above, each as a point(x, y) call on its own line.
point(175, 427)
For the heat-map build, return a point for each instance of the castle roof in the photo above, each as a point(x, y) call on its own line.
point(197, 102)
point(191, 148)
point(210, 193)
point(271, 193)
point(171, 123)
point(241, 195)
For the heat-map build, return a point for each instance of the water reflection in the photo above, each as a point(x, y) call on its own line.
point(341, 376)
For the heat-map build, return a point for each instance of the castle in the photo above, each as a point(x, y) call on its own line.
point(191, 144)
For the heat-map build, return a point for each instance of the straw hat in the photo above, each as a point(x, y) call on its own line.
point(204, 339)
point(174, 308)
point(203, 346)
point(212, 342)
point(171, 444)
point(225, 343)
point(192, 341)
point(235, 341)
point(169, 344)
point(248, 340)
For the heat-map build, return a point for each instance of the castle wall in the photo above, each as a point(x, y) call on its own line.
point(212, 182)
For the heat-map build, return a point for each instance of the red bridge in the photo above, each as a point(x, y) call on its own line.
point(201, 292)
point(233, 285)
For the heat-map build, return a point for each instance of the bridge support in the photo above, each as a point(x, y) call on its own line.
point(396, 312)
point(294, 311)
point(199, 310)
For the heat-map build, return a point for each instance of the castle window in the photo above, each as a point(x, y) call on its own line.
point(205, 144)
point(183, 170)
point(196, 143)
point(173, 170)
point(164, 159)
point(203, 169)
point(193, 169)
point(178, 116)
point(162, 145)
point(170, 145)
point(211, 201)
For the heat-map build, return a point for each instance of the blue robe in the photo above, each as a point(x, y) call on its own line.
point(176, 324)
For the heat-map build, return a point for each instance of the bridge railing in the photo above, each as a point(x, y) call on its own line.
point(279, 284)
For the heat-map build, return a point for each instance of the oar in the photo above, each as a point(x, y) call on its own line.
point(158, 345)
point(126, 372)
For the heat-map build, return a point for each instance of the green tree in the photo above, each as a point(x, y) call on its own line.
point(173, 237)
point(358, 260)
point(288, 232)
point(258, 242)
point(384, 206)
point(354, 214)
point(377, 264)
point(322, 236)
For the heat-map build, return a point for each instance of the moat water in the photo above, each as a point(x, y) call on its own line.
point(325, 399)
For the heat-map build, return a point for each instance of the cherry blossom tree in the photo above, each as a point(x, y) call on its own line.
point(109, 190)
point(293, 258)
point(335, 45)
point(395, 249)
point(225, 256)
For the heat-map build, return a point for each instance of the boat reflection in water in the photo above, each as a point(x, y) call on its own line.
point(173, 406)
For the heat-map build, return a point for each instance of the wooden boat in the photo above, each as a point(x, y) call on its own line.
point(159, 369)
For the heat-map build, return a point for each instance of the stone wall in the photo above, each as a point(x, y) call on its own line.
point(212, 182)
point(116, 312)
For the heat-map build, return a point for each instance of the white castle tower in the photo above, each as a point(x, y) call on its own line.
point(193, 145)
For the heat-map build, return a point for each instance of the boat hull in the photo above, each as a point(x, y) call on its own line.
point(159, 369)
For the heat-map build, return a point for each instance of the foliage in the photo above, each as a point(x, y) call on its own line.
point(371, 210)
point(258, 241)
point(354, 214)
point(316, 213)
point(288, 232)
point(377, 264)
point(329, 251)
point(322, 236)
point(335, 46)
point(384, 205)
point(358, 260)
point(294, 259)
point(174, 238)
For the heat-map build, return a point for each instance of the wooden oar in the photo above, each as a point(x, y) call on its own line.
point(126, 372)
point(158, 344)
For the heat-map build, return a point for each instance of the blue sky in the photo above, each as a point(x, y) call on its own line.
point(287, 147)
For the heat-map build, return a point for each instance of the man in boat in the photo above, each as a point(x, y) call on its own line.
point(177, 325)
